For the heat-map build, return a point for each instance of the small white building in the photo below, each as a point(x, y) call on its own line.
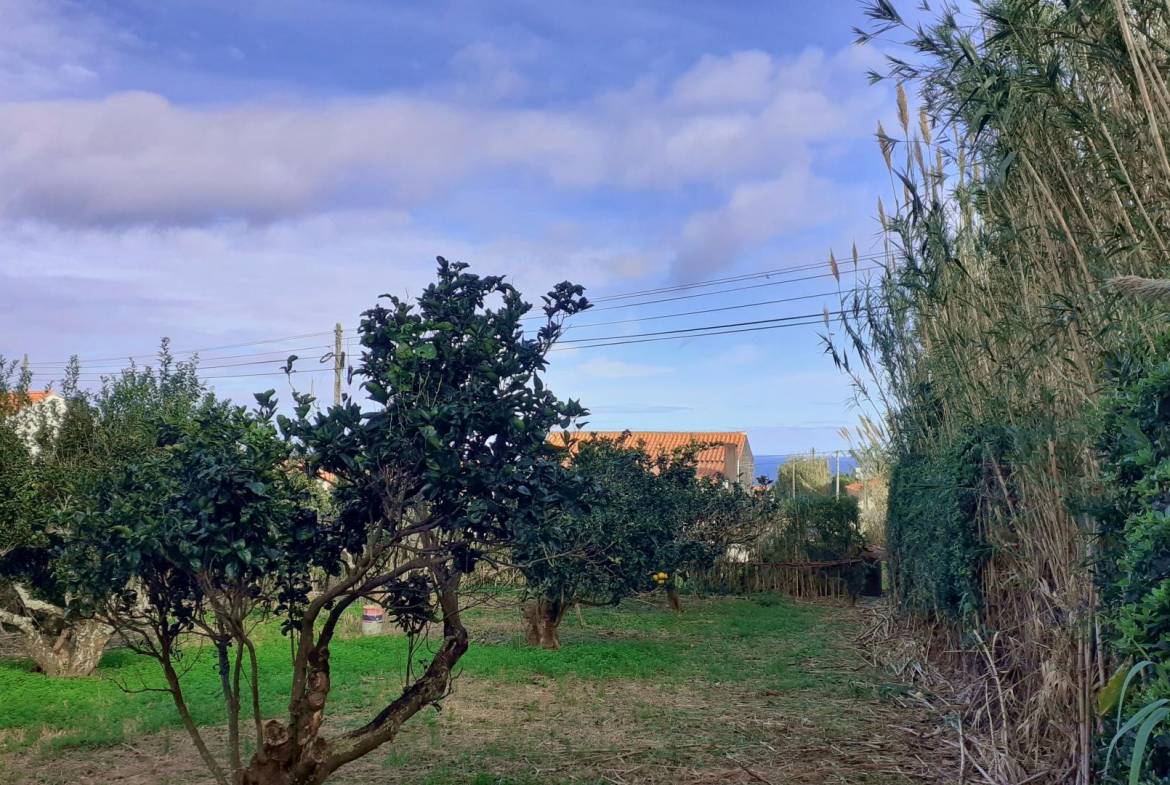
point(40, 411)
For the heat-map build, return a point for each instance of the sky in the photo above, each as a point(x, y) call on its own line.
point(239, 177)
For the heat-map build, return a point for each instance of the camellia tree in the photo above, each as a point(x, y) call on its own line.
point(643, 520)
point(49, 454)
point(440, 466)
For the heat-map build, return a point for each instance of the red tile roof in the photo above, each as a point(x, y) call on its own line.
point(32, 396)
point(712, 461)
point(855, 488)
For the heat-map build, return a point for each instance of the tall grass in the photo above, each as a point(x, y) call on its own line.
point(1035, 170)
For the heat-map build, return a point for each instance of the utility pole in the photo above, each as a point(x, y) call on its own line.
point(338, 363)
point(792, 466)
point(838, 455)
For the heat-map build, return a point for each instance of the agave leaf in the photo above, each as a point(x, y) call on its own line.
point(1133, 722)
point(1140, 742)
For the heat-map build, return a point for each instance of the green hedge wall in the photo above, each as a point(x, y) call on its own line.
point(936, 543)
point(1134, 536)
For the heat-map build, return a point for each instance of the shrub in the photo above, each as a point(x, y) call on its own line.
point(935, 533)
point(1133, 571)
point(48, 465)
point(639, 517)
point(437, 469)
point(827, 525)
point(815, 527)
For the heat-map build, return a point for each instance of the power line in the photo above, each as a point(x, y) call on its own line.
point(278, 356)
point(819, 320)
point(715, 310)
point(280, 372)
point(190, 353)
point(723, 291)
point(708, 327)
point(735, 278)
point(681, 332)
point(727, 328)
point(602, 344)
point(270, 361)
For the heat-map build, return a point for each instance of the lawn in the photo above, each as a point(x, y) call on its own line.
point(733, 690)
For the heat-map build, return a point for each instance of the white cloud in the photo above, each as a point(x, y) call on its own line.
point(758, 211)
point(103, 292)
point(741, 77)
point(49, 48)
point(139, 158)
point(489, 73)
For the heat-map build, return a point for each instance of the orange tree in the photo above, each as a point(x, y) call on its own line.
point(443, 462)
point(50, 454)
point(642, 520)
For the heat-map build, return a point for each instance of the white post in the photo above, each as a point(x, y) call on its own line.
point(838, 474)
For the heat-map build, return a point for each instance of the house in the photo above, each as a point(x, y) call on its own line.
point(36, 411)
point(728, 454)
point(867, 492)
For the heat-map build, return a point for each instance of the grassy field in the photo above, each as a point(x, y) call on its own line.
point(732, 690)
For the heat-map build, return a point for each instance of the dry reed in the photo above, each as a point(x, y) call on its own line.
point(994, 307)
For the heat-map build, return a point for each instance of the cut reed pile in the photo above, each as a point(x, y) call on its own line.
point(1036, 170)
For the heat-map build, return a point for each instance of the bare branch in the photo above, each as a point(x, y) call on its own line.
point(23, 623)
point(35, 605)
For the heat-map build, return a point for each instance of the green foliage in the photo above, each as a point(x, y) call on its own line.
point(824, 526)
point(213, 505)
point(1142, 723)
point(638, 515)
point(18, 493)
point(810, 472)
point(811, 527)
point(55, 461)
point(1134, 531)
point(936, 543)
point(1026, 241)
point(459, 419)
point(215, 526)
point(1134, 574)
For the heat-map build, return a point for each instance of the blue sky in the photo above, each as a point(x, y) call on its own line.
point(223, 173)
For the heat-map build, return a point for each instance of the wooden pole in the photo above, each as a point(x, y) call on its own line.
point(338, 363)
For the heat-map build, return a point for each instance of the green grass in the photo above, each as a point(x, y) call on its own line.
point(777, 645)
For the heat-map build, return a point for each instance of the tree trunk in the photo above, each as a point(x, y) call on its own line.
point(283, 759)
point(74, 651)
point(295, 754)
point(544, 618)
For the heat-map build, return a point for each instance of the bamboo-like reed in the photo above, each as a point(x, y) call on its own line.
point(1052, 179)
